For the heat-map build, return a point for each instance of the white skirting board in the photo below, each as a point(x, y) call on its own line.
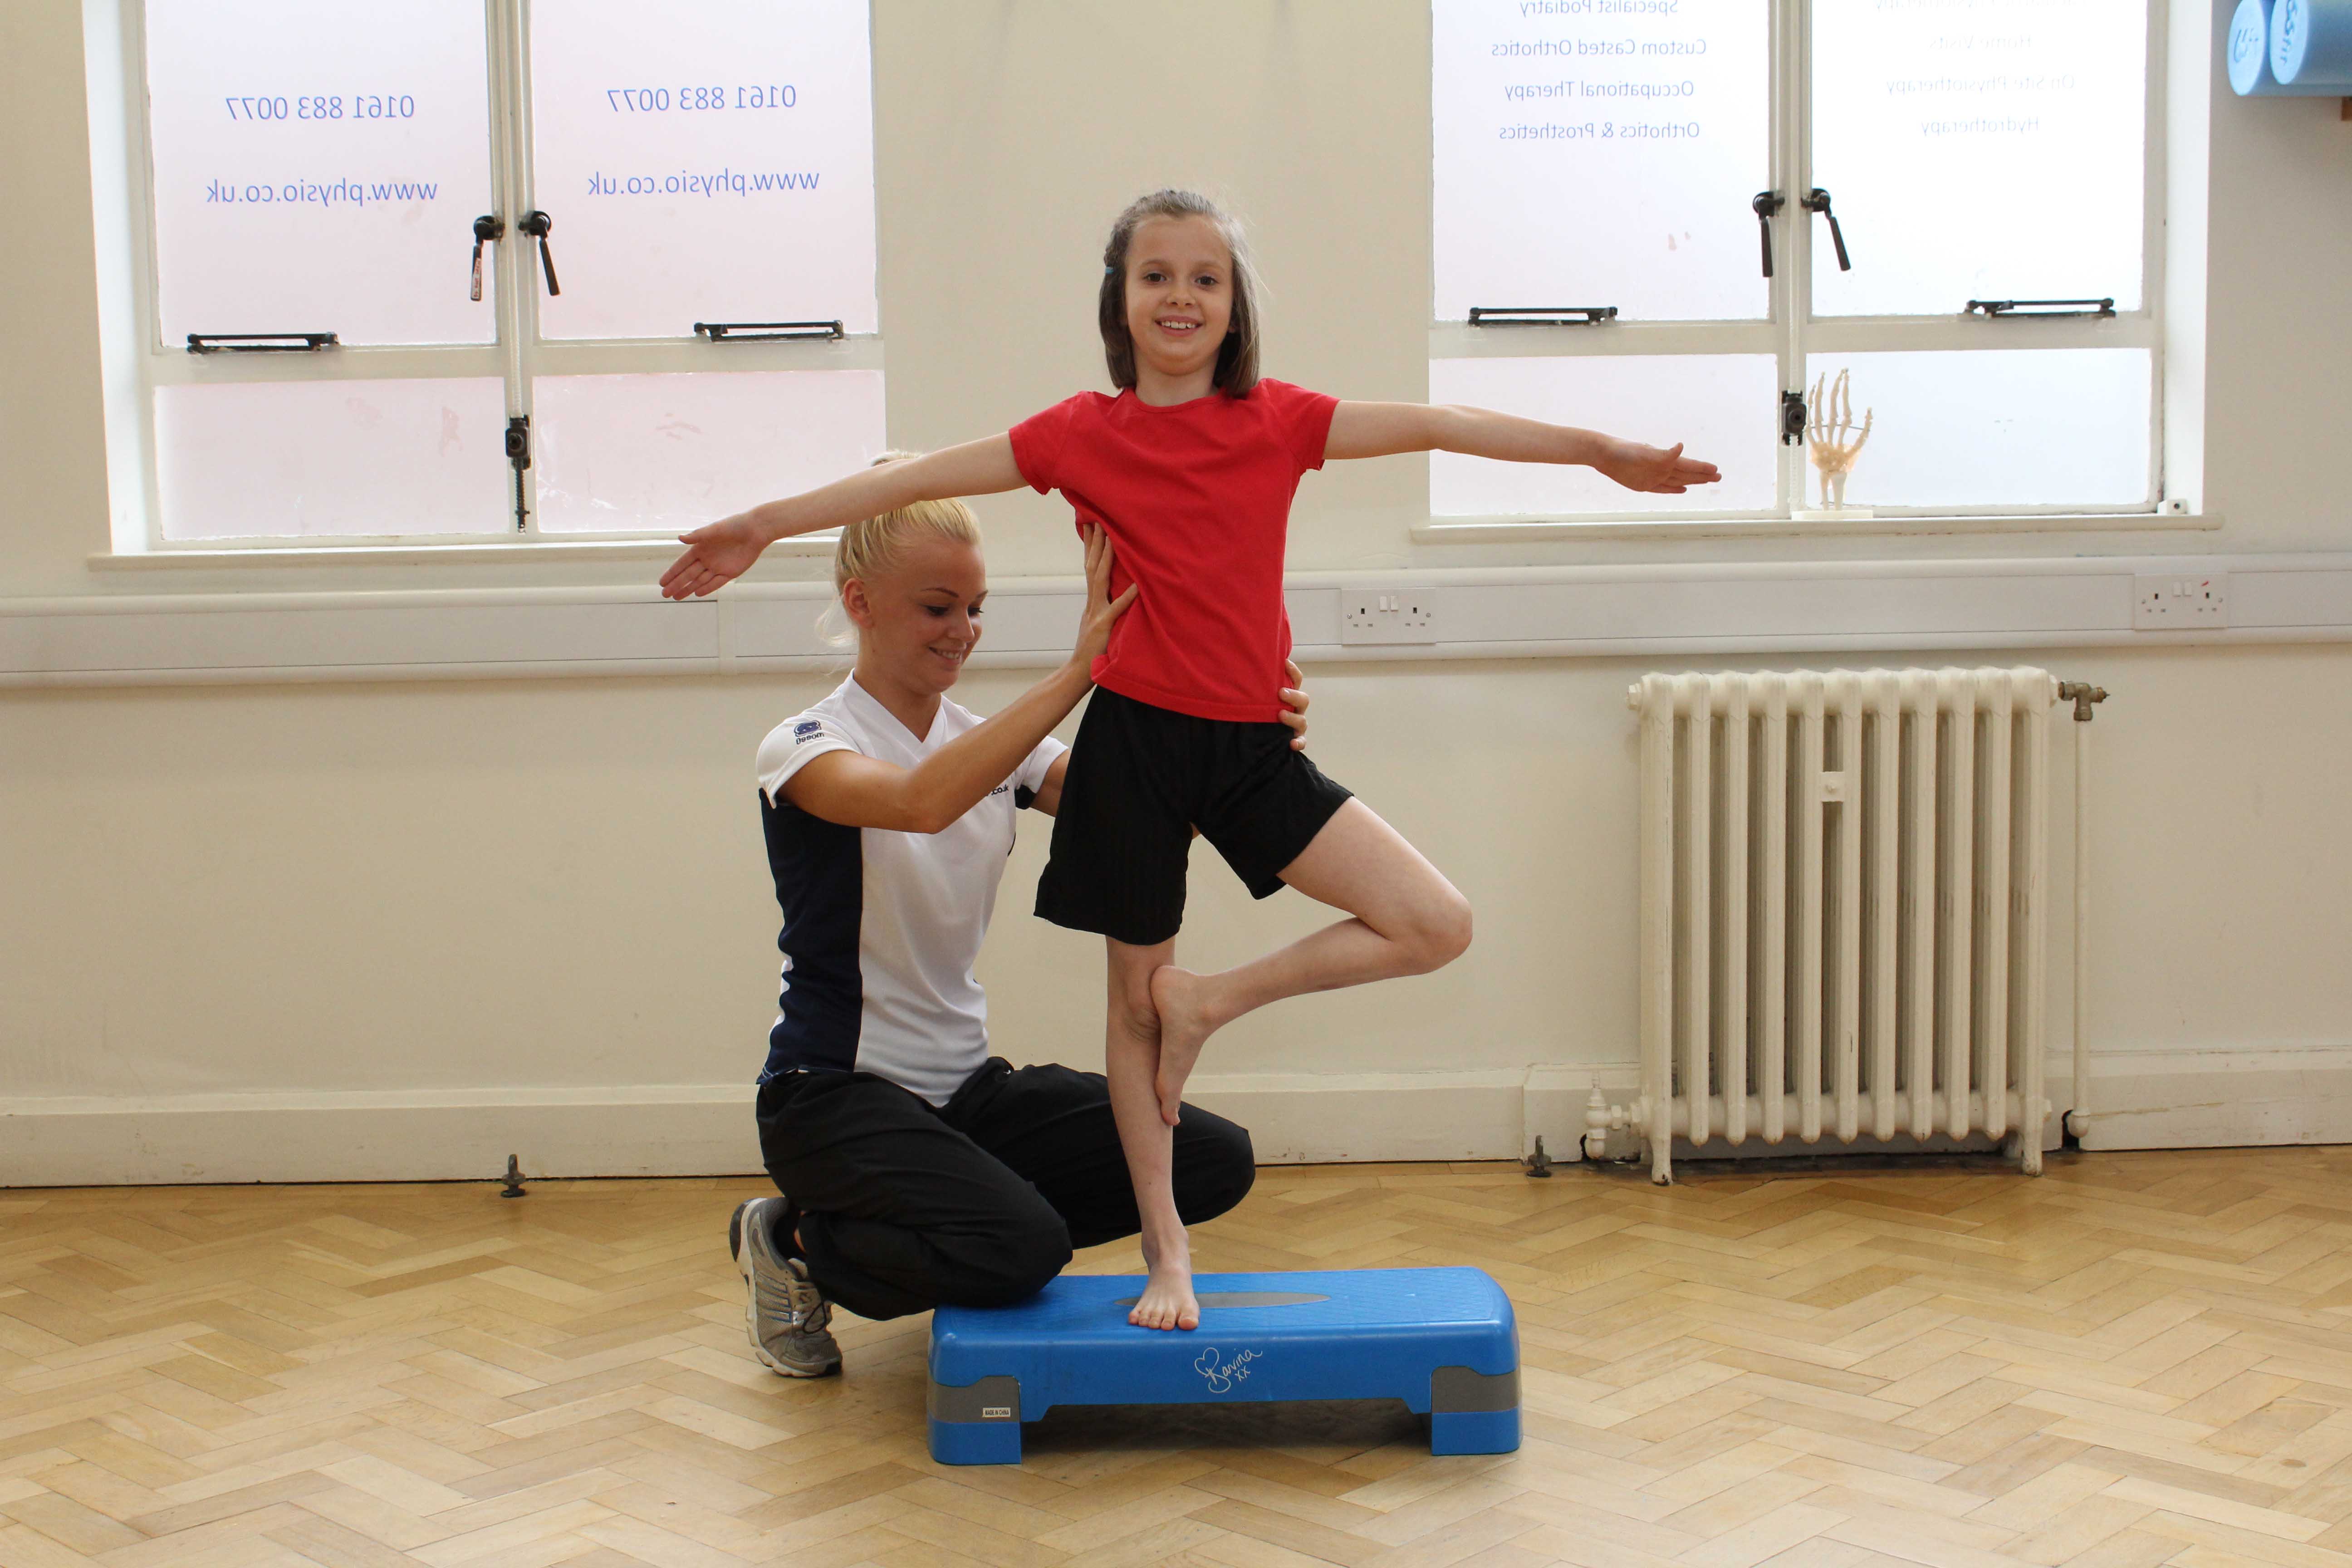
point(658, 1130)
point(2217, 1099)
point(2141, 1100)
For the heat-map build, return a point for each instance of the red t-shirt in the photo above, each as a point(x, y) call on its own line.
point(1196, 500)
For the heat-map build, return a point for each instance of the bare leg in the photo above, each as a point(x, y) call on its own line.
point(1131, 1060)
point(1408, 919)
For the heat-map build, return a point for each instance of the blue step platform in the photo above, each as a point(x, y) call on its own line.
point(1442, 1340)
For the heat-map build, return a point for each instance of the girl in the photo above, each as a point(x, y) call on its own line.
point(913, 1167)
point(1190, 471)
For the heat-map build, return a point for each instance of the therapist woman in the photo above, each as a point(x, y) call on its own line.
point(914, 1168)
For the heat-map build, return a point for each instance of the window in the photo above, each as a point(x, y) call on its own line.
point(1660, 197)
point(441, 270)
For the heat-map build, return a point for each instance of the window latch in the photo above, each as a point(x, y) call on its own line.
point(1541, 315)
point(1766, 205)
point(766, 331)
point(1817, 200)
point(1793, 419)
point(519, 454)
point(487, 228)
point(261, 343)
point(1989, 308)
point(536, 224)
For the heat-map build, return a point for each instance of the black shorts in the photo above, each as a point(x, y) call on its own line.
point(1141, 780)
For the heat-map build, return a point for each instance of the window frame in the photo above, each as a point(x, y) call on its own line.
point(1791, 331)
point(517, 353)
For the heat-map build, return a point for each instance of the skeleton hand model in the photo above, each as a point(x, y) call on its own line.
point(1834, 439)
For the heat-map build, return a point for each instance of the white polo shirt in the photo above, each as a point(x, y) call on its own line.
point(881, 928)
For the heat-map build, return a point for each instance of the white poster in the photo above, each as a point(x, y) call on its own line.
point(712, 162)
point(1601, 153)
point(1980, 149)
point(318, 167)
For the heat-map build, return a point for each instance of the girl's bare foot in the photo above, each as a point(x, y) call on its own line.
point(1180, 997)
point(1167, 1301)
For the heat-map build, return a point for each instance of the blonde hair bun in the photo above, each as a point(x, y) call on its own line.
point(872, 546)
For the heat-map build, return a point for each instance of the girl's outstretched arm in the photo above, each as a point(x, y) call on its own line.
point(1378, 429)
point(719, 553)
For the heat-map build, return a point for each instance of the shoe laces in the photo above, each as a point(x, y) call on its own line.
point(785, 1296)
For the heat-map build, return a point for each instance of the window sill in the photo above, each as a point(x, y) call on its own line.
point(1437, 530)
point(502, 553)
point(1520, 530)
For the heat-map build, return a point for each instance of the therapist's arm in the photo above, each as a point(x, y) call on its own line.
point(859, 791)
point(1048, 798)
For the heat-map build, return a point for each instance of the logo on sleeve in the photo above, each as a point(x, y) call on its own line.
point(807, 730)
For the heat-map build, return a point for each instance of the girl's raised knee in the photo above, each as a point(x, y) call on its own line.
point(1440, 933)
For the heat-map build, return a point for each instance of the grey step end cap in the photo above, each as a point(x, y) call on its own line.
point(990, 1399)
point(1458, 1391)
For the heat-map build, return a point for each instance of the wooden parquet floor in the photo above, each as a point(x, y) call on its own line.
point(2138, 1359)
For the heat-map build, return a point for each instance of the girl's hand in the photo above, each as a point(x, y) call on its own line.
point(1294, 696)
point(1664, 472)
point(717, 553)
point(1102, 610)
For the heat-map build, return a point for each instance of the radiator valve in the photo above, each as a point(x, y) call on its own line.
point(2082, 694)
point(1600, 1119)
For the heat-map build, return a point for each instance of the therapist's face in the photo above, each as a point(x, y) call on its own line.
point(917, 622)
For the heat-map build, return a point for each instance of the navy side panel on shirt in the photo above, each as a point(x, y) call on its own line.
point(819, 869)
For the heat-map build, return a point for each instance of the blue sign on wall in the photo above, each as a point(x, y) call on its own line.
point(2310, 44)
point(2247, 52)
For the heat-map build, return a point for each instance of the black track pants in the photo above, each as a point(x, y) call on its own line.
point(902, 1205)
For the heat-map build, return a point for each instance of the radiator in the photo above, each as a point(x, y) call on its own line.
point(1843, 899)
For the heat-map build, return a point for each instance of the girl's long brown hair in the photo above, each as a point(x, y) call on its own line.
point(1237, 355)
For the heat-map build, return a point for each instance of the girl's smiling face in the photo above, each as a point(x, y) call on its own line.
point(1179, 304)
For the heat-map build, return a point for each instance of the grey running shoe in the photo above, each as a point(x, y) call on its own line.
point(783, 1307)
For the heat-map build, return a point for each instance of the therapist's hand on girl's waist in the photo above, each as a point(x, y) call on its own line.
point(1294, 697)
point(1102, 610)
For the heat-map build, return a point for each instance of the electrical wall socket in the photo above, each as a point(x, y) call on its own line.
point(2182, 602)
point(1390, 615)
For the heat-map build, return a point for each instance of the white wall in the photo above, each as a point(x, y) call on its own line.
point(400, 929)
